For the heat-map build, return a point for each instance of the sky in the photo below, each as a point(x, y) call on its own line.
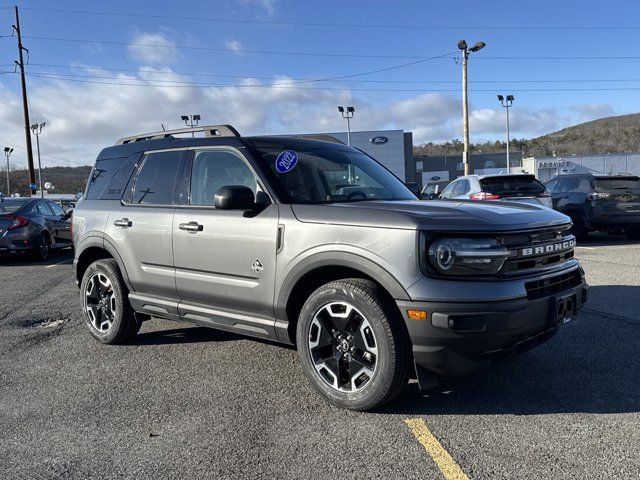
point(98, 71)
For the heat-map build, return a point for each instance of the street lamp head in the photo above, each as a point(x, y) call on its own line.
point(341, 109)
point(462, 45)
point(8, 150)
point(351, 109)
point(478, 46)
point(196, 117)
point(42, 125)
point(510, 98)
point(500, 98)
point(184, 118)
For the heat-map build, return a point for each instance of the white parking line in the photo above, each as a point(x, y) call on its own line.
point(61, 262)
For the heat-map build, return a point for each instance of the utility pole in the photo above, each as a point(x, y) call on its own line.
point(462, 45)
point(8, 151)
point(36, 128)
point(25, 105)
point(506, 103)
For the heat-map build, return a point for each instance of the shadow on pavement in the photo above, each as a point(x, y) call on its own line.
point(599, 239)
point(184, 335)
point(29, 260)
point(591, 366)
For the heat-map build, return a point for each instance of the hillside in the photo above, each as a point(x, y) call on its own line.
point(65, 179)
point(605, 135)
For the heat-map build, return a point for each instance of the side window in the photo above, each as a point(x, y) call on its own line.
point(567, 185)
point(57, 209)
point(214, 169)
point(462, 186)
point(447, 192)
point(43, 209)
point(155, 183)
point(552, 185)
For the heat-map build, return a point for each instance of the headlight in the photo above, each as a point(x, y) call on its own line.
point(466, 256)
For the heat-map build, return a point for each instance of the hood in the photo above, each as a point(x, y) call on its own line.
point(451, 215)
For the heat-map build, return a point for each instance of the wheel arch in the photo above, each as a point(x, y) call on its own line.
point(97, 249)
point(322, 268)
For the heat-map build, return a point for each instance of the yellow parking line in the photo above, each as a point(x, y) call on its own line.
point(447, 465)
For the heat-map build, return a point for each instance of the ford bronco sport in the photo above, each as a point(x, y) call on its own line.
point(316, 244)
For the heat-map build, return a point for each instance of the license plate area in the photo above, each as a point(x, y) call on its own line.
point(565, 308)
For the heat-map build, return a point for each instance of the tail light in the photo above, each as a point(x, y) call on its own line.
point(18, 221)
point(484, 196)
point(598, 196)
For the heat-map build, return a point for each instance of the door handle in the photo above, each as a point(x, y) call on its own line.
point(123, 222)
point(191, 227)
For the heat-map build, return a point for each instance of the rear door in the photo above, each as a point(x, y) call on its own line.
point(63, 223)
point(228, 261)
point(141, 226)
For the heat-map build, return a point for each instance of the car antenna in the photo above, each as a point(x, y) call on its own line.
point(163, 129)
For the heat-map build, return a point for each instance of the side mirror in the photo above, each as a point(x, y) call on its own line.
point(234, 197)
point(68, 214)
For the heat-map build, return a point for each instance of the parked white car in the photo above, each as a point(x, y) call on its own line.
point(512, 187)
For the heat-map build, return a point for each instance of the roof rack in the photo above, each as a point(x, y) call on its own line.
point(209, 131)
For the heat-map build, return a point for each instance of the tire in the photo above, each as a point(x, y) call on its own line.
point(44, 247)
point(633, 233)
point(105, 304)
point(361, 360)
point(579, 230)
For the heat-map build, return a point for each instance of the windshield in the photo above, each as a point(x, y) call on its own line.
point(512, 185)
point(331, 175)
point(11, 206)
point(622, 183)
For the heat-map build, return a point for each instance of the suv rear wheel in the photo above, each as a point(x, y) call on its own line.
point(105, 305)
point(352, 346)
point(579, 230)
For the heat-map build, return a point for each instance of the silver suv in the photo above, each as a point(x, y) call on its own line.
point(316, 244)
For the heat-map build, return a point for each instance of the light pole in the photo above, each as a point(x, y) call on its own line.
point(506, 103)
point(7, 152)
point(462, 45)
point(36, 128)
point(191, 121)
point(347, 112)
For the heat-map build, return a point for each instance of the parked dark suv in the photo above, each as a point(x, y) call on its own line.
point(609, 203)
point(316, 244)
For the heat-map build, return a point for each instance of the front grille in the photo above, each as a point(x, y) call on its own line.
point(523, 264)
point(553, 285)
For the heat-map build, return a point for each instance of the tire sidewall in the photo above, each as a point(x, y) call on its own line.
point(116, 283)
point(378, 385)
point(44, 247)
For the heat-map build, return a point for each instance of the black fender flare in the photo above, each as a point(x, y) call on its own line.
point(103, 243)
point(337, 259)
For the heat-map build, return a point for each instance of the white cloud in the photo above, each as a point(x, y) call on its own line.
point(83, 118)
point(233, 45)
point(153, 49)
point(269, 6)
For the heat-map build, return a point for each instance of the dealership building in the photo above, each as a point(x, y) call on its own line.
point(392, 148)
point(545, 168)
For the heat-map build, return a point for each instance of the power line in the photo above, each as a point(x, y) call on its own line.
point(336, 25)
point(329, 54)
point(159, 84)
point(259, 77)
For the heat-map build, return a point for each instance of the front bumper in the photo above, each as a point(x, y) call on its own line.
point(460, 338)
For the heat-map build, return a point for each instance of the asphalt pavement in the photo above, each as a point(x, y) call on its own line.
point(189, 402)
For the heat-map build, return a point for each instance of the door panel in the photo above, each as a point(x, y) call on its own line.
point(216, 266)
point(224, 259)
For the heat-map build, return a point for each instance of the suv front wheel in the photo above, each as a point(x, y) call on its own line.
point(105, 305)
point(352, 345)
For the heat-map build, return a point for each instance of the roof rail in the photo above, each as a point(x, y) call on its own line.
point(209, 131)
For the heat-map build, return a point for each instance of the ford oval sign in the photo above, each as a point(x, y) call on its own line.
point(380, 140)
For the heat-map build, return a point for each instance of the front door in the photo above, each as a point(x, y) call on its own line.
point(224, 259)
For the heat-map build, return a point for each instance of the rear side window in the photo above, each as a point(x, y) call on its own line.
point(568, 184)
point(57, 209)
point(157, 178)
point(623, 183)
point(10, 206)
point(512, 185)
point(43, 209)
point(462, 187)
point(109, 178)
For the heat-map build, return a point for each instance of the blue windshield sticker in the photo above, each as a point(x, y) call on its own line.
point(286, 161)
